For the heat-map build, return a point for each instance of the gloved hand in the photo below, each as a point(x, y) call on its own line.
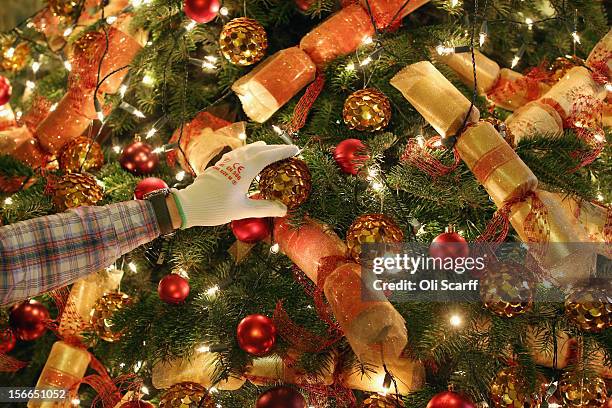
point(218, 195)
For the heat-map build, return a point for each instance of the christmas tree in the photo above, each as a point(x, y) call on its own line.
point(430, 123)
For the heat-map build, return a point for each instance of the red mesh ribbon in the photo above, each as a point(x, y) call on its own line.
point(108, 392)
point(585, 119)
point(528, 84)
point(10, 364)
point(300, 113)
point(600, 70)
point(420, 156)
point(607, 230)
point(38, 111)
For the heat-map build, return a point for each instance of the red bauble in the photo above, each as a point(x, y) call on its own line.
point(148, 185)
point(449, 245)
point(7, 340)
point(173, 289)
point(137, 404)
point(138, 158)
point(251, 230)
point(449, 399)
point(281, 397)
point(202, 11)
point(28, 320)
point(256, 334)
point(5, 90)
point(303, 4)
point(350, 155)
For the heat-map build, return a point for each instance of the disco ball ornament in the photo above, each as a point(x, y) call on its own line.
point(14, 57)
point(139, 158)
point(281, 396)
point(81, 154)
point(510, 389)
point(186, 395)
point(367, 110)
point(256, 334)
point(288, 181)
point(173, 289)
point(507, 289)
point(371, 229)
point(350, 155)
point(63, 8)
point(251, 230)
point(148, 185)
point(74, 190)
point(581, 390)
point(102, 314)
point(28, 320)
point(201, 11)
point(6, 90)
point(589, 305)
point(243, 41)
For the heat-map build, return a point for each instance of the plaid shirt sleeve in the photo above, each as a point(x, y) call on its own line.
point(45, 253)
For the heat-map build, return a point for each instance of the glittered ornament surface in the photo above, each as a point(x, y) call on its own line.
point(6, 90)
point(14, 56)
point(63, 8)
point(510, 390)
point(367, 110)
point(76, 189)
point(28, 320)
point(371, 229)
point(102, 314)
point(186, 395)
point(139, 158)
point(581, 390)
point(288, 181)
point(81, 154)
point(561, 65)
point(243, 41)
point(507, 289)
point(589, 306)
point(383, 401)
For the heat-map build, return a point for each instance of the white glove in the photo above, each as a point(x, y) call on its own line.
point(218, 195)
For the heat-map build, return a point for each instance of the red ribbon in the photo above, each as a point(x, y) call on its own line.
point(585, 120)
point(303, 107)
point(421, 157)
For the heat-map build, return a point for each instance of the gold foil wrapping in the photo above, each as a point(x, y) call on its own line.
point(487, 70)
point(83, 296)
point(434, 97)
point(533, 119)
point(65, 367)
point(577, 83)
point(409, 375)
point(494, 163)
point(565, 258)
point(274, 82)
point(513, 90)
point(338, 35)
point(199, 368)
point(264, 369)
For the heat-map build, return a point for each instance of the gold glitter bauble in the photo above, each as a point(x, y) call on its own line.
point(371, 229)
point(367, 110)
point(589, 305)
point(76, 189)
point(81, 152)
point(383, 401)
point(581, 390)
point(103, 312)
point(243, 41)
point(63, 8)
point(510, 390)
point(14, 57)
point(186, 395)
point(507, 289)
point(560, 66)
point(288, 181)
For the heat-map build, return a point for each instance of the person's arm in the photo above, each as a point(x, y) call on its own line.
point(45, 253)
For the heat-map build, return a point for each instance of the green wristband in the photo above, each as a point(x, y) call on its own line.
point(179, 207)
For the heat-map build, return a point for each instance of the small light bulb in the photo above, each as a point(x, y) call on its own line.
point(366, 61)
point(68, 31)
point(53, 107)
point(8, 201)
point(211, 58)
point(148, 80)
point(275, 248)
point(75, 401)
point(442, 50)
point(132, 267)
point(35, 66)
point(10, 53)
point(100, 115)
point(482, 37)
point(137, 3)
point(180, 176)
point(377, 186)
point(151, 133)
point(122, 90)
point(609, 87)
point(192, 24)
point(420, 141)
point(454, 3)
point(203, 349)
point(68, 65)
point(575, 37)
point(159, 150)
point(529, 23)
point(515, 61)
point(223, 11)
point(367, 40)
point(372, 172)
point(212, 290)
point(242, 136)
point(350, 66)
point(455, 320)
point(213, 390)
point(111, 19)
point(144, 390)
point(277, 129)
point(139, 114)
point(30, 85)
point(208, 65)
point(117, 149)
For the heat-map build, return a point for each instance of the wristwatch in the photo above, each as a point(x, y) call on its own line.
point(157, 198)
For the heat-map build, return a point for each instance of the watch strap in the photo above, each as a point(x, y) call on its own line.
point(160, 207)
